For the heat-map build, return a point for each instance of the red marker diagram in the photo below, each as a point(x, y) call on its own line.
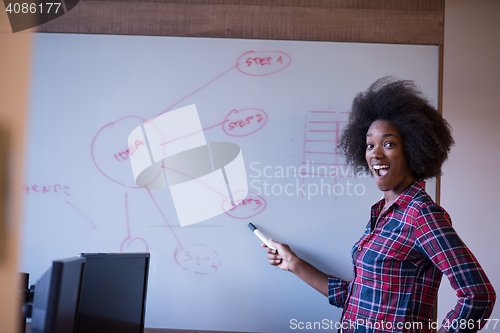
point(321, 136)
point(59, 190)
point(90, 221)
point(322, 131)
point(56, 189)
point(244, 122)
point(197, 258)
point(112, 158)
point(252, 205)
point(130, 244)
point(263, 62)
point(254, 63)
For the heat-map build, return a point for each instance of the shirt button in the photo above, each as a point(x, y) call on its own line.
point(359, 248)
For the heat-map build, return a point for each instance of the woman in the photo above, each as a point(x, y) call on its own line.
point(397, 136)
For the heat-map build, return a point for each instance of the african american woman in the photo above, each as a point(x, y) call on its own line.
point(409, 243)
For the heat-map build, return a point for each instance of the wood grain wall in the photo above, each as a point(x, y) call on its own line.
point(372, 21)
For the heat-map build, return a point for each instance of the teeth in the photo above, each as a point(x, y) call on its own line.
point(378, 167)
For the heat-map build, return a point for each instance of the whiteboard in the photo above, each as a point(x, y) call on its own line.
point(90, 91)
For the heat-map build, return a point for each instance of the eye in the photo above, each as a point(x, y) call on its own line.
point(389, 144)
point(369, 146)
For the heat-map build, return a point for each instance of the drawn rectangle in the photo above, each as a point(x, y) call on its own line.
point(314, 135)
point(319, 158)
point(327, 146)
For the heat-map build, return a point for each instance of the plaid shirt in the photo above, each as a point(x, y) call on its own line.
point(398, 268)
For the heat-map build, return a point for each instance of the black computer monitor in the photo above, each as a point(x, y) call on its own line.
point(56, 297)
point(113, 294)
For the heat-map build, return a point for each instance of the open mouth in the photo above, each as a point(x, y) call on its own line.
point(381, 169)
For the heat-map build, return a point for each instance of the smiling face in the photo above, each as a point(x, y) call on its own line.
point(387, 160)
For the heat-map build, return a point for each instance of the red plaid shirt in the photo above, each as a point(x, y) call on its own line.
point(398, 268)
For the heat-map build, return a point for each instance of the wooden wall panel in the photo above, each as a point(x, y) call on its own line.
point(376, 21)
point(15, 53)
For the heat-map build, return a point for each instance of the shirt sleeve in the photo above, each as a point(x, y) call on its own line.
point(337, 291)
point(442, 245)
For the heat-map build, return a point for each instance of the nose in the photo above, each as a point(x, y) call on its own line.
point(377, 153)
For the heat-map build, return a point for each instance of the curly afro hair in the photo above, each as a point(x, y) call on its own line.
point(426, 135)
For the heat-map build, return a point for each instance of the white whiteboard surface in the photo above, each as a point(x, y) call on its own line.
point(90, 91)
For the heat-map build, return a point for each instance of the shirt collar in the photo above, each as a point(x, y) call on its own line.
point(404, 198)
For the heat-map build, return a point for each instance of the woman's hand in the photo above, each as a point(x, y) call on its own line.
point(284, 258)
point(288, 261)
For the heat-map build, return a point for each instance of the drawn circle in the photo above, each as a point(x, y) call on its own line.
point(252, 205)
point(244, 122)
point(197, 258)
point(263, 62)
point(134, 245)
point(110, 153)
